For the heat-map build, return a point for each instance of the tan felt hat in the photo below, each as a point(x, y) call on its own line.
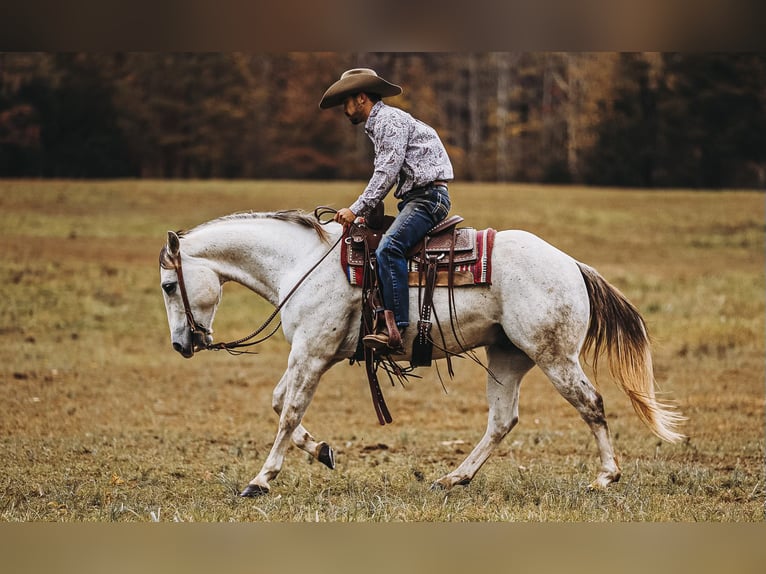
point(354, 81)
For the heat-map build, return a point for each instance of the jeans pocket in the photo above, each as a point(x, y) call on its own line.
point(440, 207)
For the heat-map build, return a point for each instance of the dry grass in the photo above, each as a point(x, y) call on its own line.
point(102, 421)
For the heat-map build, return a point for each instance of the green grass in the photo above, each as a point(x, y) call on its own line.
point(103, 422)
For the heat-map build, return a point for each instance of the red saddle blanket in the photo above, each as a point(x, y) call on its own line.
point(473, 259)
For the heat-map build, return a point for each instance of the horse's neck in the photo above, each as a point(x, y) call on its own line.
point(257, 256)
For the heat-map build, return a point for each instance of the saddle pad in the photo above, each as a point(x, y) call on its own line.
point(475, 269)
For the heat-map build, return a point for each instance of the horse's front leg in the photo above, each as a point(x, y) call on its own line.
point(302, 438)
point(300, 382)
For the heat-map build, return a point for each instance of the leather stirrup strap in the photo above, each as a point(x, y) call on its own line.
point(378, 402)
point(369, 290)
point(451, 296)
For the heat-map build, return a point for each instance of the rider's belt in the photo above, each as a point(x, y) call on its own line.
point(433, 184)
point(425, 189)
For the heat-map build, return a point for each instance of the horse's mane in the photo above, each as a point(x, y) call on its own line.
point(296, 216)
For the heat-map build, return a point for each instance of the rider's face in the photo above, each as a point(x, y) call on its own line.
point(353, 107)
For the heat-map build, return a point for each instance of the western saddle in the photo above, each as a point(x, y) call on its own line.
point(434, 258)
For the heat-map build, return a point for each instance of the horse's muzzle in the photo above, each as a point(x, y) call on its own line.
point(187, 352)
point(199, 342)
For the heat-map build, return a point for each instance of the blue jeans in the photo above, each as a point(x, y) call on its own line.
point(417, 214)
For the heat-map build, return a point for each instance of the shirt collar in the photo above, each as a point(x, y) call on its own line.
point(369, 125)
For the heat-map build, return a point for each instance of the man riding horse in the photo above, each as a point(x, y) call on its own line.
point(408, 155)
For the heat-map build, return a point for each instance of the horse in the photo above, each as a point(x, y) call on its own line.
point(542, 308)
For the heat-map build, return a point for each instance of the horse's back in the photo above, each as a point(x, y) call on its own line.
point(521, 255)
point(538, 287)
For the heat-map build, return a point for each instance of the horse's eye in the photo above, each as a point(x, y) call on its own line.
point(169, 287)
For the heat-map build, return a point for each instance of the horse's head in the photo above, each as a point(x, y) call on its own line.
point(192, 292)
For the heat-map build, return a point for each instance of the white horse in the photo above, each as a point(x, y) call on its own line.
point(543, 308)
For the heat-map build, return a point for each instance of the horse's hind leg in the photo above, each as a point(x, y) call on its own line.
point(567, 376)
point(509, 365)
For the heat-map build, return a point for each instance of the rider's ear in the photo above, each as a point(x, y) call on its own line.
point(174, 243)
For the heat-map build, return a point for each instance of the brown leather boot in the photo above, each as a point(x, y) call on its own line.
point(376, 341)
point(381, 344)
point(387, 340)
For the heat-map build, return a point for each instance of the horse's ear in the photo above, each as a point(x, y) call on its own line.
point(174, 243)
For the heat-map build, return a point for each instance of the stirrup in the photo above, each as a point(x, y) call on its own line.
point(376, 341)
point(381, 344)
point(387, 339)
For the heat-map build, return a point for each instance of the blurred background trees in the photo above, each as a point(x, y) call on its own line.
point(621, 119)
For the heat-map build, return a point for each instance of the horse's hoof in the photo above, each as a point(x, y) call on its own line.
point(603, 480)
point(444, 484)
point(253, 491)
point(327, 456)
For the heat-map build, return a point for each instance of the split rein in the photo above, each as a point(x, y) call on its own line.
point(201, 332)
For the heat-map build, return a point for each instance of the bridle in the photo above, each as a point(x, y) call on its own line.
point(201, 333)
point(194, 326)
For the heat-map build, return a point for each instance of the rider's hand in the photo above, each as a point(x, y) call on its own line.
point(345, 217)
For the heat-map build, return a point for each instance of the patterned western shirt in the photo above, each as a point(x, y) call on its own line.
point(408, 153)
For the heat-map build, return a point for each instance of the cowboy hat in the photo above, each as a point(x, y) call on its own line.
point(354, 81)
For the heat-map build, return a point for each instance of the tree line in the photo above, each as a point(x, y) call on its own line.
point(621, 119)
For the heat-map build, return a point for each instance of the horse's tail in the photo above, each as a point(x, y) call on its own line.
point(617, 327)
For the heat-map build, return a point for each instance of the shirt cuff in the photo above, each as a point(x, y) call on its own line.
point(359, 208)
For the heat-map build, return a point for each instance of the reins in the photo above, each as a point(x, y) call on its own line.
point(248, 341)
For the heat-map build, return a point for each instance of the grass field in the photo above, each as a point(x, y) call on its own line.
point(103, 421)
